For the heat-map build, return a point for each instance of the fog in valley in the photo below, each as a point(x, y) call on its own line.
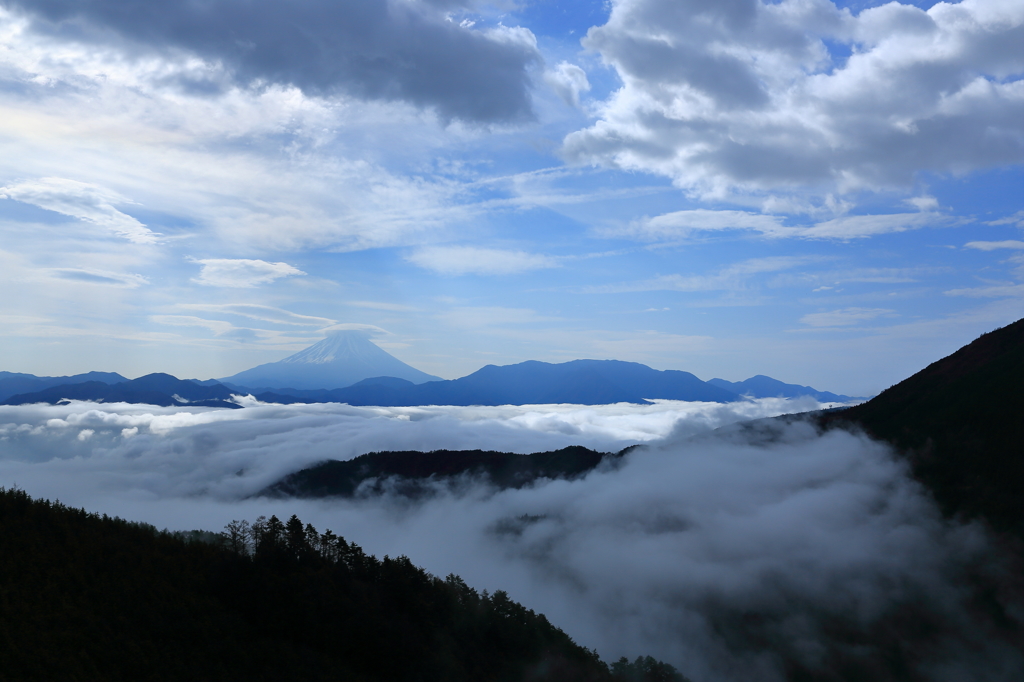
point(733, 554)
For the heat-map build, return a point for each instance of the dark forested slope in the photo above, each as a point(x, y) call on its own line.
point(960, 421)
point(410, 472)
point(84, 597)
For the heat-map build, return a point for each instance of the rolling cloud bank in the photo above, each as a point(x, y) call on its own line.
point(757, 551)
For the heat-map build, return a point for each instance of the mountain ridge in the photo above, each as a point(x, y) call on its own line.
point(582, 382)
point(152, 389)
point(13, 383)
point(761, 386)
point(959, 422)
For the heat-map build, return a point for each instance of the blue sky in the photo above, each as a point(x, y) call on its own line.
point(829, 194)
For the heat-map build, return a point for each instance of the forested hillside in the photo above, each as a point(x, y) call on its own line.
point(88, 597)
point(960, 422)
point(411, 472)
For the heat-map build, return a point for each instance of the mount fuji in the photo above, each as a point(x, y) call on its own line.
point(342, 359)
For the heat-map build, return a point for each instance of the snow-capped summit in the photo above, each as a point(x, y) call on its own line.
point(343, 358)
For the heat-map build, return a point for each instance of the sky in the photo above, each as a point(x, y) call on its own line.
point(830, 194)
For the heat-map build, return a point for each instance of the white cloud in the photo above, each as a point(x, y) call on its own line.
point(1015, 219)
point(341, 431)
point(465, 260)
point(88, 202)
point(994, 291)
point(264, 313)
point(404, 51)
point(846, 317)
point(218, 327)
point(733, 277)
point(256, 165)
point(737, 555)
point(679, 224)
point(923, 203)
point(568, 81)
point(381, 305)
point(95, 276)
point(242, 272)
point(992, 246)
point(747, 97)
point(466, 317)
point(859, 226)
point(682, 224)
point(371, 329)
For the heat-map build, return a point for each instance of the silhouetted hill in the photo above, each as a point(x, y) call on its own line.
point(13, 383)
point(960, 422)
point(152, 389)
point(762, 386)
point(410, 472)
point(91, 598)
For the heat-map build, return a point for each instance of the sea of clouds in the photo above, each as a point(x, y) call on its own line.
point(735, 551)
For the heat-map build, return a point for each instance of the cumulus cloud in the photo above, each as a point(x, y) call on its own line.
point(568, 81)
point(241, 272)
point(88, 202)
point(760, 96)
point(466, 260)
point(372, 49)
point(759, 552)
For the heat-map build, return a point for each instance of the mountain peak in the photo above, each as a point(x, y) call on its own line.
point(345, 357)
point(340, 344)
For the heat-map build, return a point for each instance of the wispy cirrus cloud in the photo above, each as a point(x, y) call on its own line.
point(1015, 244)
point(473, 260)
point(847, 317)
point(242, 272)
point(1015, 219)
point(264, 313)
point(130, 280)
point(732, 277)
point(84, 201)
point(693, 222)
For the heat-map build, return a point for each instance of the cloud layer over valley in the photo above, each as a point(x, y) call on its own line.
point(753, 552)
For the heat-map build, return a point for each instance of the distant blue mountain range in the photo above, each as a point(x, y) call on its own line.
point(347, 367)
point(13, 383)
point(581, 382)
point(761, 386)
point(152, 389)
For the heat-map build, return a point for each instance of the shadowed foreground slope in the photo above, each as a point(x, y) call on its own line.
point(84, 597)
point(960, 421)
